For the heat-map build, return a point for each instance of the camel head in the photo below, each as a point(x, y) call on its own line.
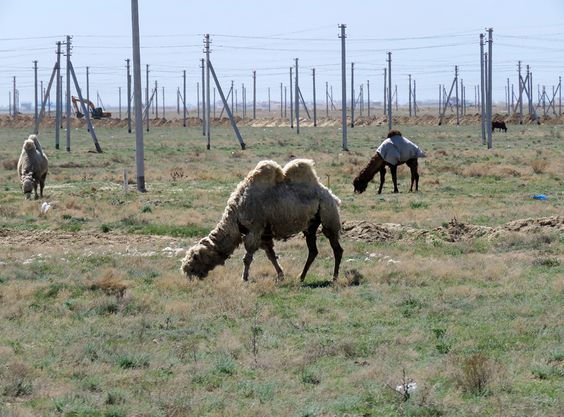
point(359, 185)
point(202, 258)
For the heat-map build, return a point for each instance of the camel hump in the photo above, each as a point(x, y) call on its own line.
point(266, 172)
point(300, 170)
point(29, 144)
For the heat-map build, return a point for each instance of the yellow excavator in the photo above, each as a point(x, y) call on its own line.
point(95, 112)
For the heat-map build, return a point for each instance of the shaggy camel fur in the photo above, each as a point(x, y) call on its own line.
point(394, 151)
point(32, 167)
point(270, 203)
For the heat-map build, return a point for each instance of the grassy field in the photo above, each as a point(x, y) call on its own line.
point(97, 320)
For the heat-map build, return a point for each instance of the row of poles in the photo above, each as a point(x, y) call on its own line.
point(296, 96)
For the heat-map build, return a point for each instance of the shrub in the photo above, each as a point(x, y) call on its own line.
point(475, 374)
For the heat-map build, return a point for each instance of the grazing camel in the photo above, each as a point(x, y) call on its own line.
point(394, 151)
point(32, 167)
point(270, 203)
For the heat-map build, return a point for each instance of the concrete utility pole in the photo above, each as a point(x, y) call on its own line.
point(35, 85)
point(233, 95)
point(482, 89)
point(456, 95)
point(489, 115)
point(521, 85)
point(14, 95)
point(343, 36)
point(281, 101)
point(139, 151)
point(184, 97)
point(352, 94)
point(163, 102)
point(59, 98)
point(68, 99)
point(314, 99)
point(254, 95)
point(389, 90)
point(368, 92)
point(291, 98)
point(208, 102)
point(297, 98)
point(203, 97)
point(414, 99)
point(409, 75)
point(128, 96)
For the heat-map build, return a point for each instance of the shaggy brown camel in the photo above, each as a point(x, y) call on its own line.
point(270, 203)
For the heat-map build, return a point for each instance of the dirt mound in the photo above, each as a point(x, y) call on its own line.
point(535, 225)
point(453, 231)
point(456, 231)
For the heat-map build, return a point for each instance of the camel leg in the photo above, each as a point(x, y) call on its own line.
point(251, 247)
point(382, 178)
point(268, 246)
point(311, 240)
point(35, 189)
point(414, 174)
point(337, 251)
point(394, 170)
point(42, 185)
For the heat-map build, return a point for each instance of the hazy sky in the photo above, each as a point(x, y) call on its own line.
point(426, 38)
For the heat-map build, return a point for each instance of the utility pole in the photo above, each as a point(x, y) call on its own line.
point(456, 95)
point(314, 101)
point(343, 87)
point(508, 99)
point(489, 121)
point(389, 90)
point(184, 98)
point(128, 96)
point(281, 101)
point(68, 103)
point(297, 98)
point(291, 98)
point(521, 85)
point(482, 88)
point(208, 104)
point(368, 92)
point(203, 98)
point(139, 151)
point(163, 102)
point(352, 95)
point(409, 75)
point(59, 98)
point(88, 83)
point(254, 95)
point(35, 84)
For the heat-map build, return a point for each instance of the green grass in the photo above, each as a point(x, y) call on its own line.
point(473, 322)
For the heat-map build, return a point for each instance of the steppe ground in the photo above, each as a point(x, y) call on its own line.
point(457, 288)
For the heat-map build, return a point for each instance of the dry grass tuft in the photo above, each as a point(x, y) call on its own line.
point(112, 283)
point(10, 164)
point(475, 374)
point(539, 166)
